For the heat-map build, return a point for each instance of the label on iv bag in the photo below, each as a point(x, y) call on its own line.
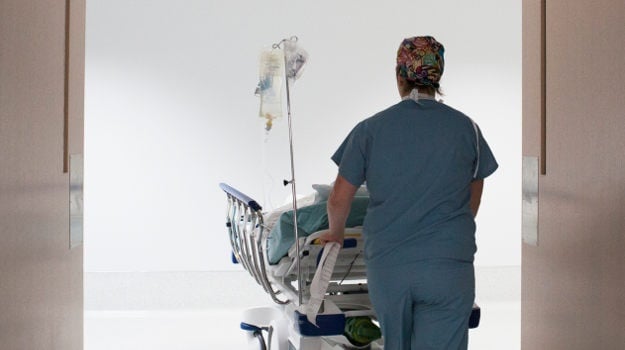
point(320, 282)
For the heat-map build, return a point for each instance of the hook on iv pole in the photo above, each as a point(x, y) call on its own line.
point(279, 44)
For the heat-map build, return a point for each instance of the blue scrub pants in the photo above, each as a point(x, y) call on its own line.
point(423, 305)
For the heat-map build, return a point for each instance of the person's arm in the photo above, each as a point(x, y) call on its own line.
point(476, 195)
point(339, 204)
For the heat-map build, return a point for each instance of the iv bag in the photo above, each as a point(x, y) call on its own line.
point(270, 85)
point(296, 58)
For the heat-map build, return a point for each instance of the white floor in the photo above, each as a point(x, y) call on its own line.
point(193, 311)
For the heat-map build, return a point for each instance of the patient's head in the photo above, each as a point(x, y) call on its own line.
point(420, 64)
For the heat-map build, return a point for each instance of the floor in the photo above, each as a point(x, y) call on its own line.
point(158, 311)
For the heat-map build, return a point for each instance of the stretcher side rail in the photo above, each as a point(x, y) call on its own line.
point(244, 220)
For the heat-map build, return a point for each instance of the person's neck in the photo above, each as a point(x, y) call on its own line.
point(422, 93)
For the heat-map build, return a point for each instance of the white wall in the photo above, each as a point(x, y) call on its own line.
point(170, 113)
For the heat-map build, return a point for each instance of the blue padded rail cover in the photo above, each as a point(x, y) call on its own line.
point(240, 196)
point(333, 324)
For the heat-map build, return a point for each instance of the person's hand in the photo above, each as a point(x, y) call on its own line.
point(327, 236)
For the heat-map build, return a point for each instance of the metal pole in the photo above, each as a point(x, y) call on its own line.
point(297, 247)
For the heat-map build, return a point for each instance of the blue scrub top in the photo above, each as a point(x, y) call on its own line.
point(418, 161)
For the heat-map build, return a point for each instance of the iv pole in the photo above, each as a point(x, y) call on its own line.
point(292, 181)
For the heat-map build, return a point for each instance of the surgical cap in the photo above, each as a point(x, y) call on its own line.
point(421, 60)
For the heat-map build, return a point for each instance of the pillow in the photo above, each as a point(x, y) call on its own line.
point(323, 192)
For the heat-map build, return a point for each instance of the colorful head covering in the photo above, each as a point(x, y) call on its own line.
point(421, 60)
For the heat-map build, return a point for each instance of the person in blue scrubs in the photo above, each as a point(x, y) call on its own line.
point(424, 164)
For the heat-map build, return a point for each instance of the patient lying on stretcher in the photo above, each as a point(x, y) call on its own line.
point(311, 217)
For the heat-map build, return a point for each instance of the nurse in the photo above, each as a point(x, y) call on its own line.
point(424, 164)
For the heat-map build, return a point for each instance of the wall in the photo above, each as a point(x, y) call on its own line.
point(170, 113)
point(41, 291)
point(573, 280)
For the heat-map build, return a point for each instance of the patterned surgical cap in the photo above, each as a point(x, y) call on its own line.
point(421, 60)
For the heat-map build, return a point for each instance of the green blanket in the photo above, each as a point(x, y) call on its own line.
point(309, 219)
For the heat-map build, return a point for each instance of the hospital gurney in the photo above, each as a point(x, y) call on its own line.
point(344, 318)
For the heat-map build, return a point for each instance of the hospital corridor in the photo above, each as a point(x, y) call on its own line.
point(181, 311)
point(323, 175)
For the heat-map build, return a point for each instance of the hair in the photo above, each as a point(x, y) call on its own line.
point(430, 90)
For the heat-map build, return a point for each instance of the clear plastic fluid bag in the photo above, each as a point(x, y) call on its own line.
point(296, 58)
point(270, 85)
